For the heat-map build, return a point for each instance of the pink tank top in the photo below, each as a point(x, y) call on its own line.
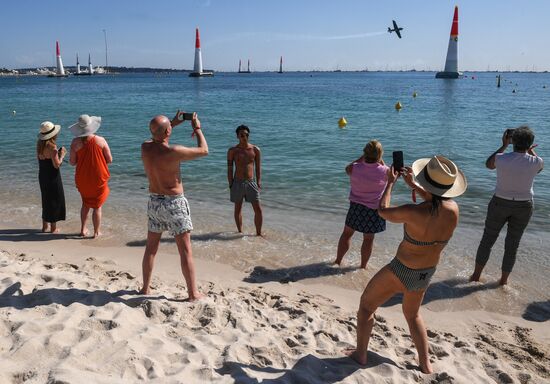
point(367, 181)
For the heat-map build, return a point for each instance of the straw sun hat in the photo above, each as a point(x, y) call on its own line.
point(440, 176)
point(48, 130)
point(86, 126)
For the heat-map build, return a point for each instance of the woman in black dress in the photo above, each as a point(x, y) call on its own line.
point(49, 177)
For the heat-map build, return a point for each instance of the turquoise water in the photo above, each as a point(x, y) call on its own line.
point(293, 118)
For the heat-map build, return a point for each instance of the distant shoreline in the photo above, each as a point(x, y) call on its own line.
point(119, 70)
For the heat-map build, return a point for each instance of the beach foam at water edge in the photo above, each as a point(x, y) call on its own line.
point(80, 316)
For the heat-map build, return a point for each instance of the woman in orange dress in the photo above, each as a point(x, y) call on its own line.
point(91, 154)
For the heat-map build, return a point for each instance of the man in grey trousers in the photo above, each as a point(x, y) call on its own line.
point(512, 202)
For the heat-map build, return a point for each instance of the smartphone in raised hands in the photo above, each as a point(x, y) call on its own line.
point(398, 160)
point(185, 116)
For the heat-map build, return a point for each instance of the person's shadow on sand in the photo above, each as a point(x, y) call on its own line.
point(309, 369)
point(221, 236)
point(260, 275)
point(446, 289)
point(13, 297)
point(537, 311)
point(25, 234)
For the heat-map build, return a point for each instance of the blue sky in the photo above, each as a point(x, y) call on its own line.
point(310, 35)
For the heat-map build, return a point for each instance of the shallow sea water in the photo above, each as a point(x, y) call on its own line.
point(293, 118)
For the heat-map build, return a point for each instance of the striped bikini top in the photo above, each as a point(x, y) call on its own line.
point(408, 238)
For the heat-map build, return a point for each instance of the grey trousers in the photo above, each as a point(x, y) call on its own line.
point(501, 211)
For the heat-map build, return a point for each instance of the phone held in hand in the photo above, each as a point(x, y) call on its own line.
point(397, 160)
point(183, 116)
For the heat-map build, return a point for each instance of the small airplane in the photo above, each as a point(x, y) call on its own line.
point(395, 29)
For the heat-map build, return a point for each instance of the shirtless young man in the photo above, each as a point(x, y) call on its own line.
point(246, 157)
point(168, 209)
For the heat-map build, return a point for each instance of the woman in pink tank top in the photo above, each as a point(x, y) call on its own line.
point(368, 178)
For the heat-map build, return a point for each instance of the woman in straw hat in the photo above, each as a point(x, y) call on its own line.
point(49, 177)
point(427, 228)
point(91, 154)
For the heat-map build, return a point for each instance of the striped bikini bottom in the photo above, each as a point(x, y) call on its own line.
point(412, 279)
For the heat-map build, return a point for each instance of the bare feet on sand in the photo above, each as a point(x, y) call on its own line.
point(97, 234)
point(426, 367)
point(197, 296)
point(144, 291)
point(359, 358)
point(83, 233)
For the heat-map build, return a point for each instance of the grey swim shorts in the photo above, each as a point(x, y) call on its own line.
point(247, 189)
point(169, 213)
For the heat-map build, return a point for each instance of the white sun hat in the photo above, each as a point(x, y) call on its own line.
point(86, 126)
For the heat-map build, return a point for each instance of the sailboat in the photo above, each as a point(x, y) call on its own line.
point(197, 68)
point(281, 65)
point(451, 62)
point(59, 71)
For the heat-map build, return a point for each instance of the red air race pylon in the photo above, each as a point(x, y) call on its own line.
point(451, 62)
point(197, 67)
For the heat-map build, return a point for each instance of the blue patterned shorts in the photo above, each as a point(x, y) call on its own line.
point(169, 213)
point(364, 219)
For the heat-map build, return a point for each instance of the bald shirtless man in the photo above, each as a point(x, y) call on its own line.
point(241, 181)
point(168, 209)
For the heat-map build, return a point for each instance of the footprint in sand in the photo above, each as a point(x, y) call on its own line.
point(98, 324)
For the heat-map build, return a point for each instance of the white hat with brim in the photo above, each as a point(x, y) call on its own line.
point(86, 126)
point(440, 176)
point(48, 130)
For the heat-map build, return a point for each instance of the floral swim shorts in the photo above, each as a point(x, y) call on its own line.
point(169, 213)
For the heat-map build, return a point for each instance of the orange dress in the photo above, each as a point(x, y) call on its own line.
point(92, 174)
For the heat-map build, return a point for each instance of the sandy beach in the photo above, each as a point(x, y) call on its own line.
point(70, 313)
